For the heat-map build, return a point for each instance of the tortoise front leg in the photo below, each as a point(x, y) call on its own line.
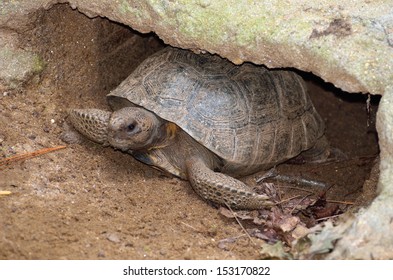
point(91, 123)
point(223, 189)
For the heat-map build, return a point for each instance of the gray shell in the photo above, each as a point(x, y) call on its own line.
point(253, 118)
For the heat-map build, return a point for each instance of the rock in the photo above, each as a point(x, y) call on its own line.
point(371, 234)
point(16, 65)
point(113, 237)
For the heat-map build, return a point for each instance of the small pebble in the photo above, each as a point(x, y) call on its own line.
point(112, 237)
point(163, 252)
point(101, 254)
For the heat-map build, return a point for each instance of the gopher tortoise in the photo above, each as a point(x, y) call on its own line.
point(204, 119)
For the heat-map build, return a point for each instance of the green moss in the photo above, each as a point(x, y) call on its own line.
point(18, 66)
point(125, 8)
point(241, 22)
point(38, 64)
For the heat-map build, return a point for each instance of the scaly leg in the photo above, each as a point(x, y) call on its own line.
point(223, 189)
point(91, 123)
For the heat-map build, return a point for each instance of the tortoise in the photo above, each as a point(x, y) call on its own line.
point(206, 120)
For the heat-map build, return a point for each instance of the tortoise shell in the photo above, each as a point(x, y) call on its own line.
point(251, 117)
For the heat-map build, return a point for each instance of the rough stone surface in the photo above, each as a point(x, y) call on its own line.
point(16, 65)
point(347, 43)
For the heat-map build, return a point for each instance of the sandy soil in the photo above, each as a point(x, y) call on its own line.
point(89, 202)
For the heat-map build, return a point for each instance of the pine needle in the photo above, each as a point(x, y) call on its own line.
point(340, 202)
point(25, 156)
point(4, 193)
point(240, 224)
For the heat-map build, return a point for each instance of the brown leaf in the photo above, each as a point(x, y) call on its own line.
point(288, 224)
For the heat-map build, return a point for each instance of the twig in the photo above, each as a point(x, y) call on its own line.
point(232, 239)
point(237, 220)
point(288, 199)
point(269, 174)
point(300, 181)
point(296, 188)
point(187, 225)
point(4, 193)
point(300, 201)
point(25, 156)
point(340, 202)
point(329, 217)
point(368, 109)
point(273, 175)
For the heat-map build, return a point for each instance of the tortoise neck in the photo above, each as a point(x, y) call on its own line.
point(166, 135)
point(178, 146)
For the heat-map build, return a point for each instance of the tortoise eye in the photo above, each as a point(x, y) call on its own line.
point(131, 127)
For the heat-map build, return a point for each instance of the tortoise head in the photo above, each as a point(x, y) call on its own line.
point(130, 128)
point(134, 128)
